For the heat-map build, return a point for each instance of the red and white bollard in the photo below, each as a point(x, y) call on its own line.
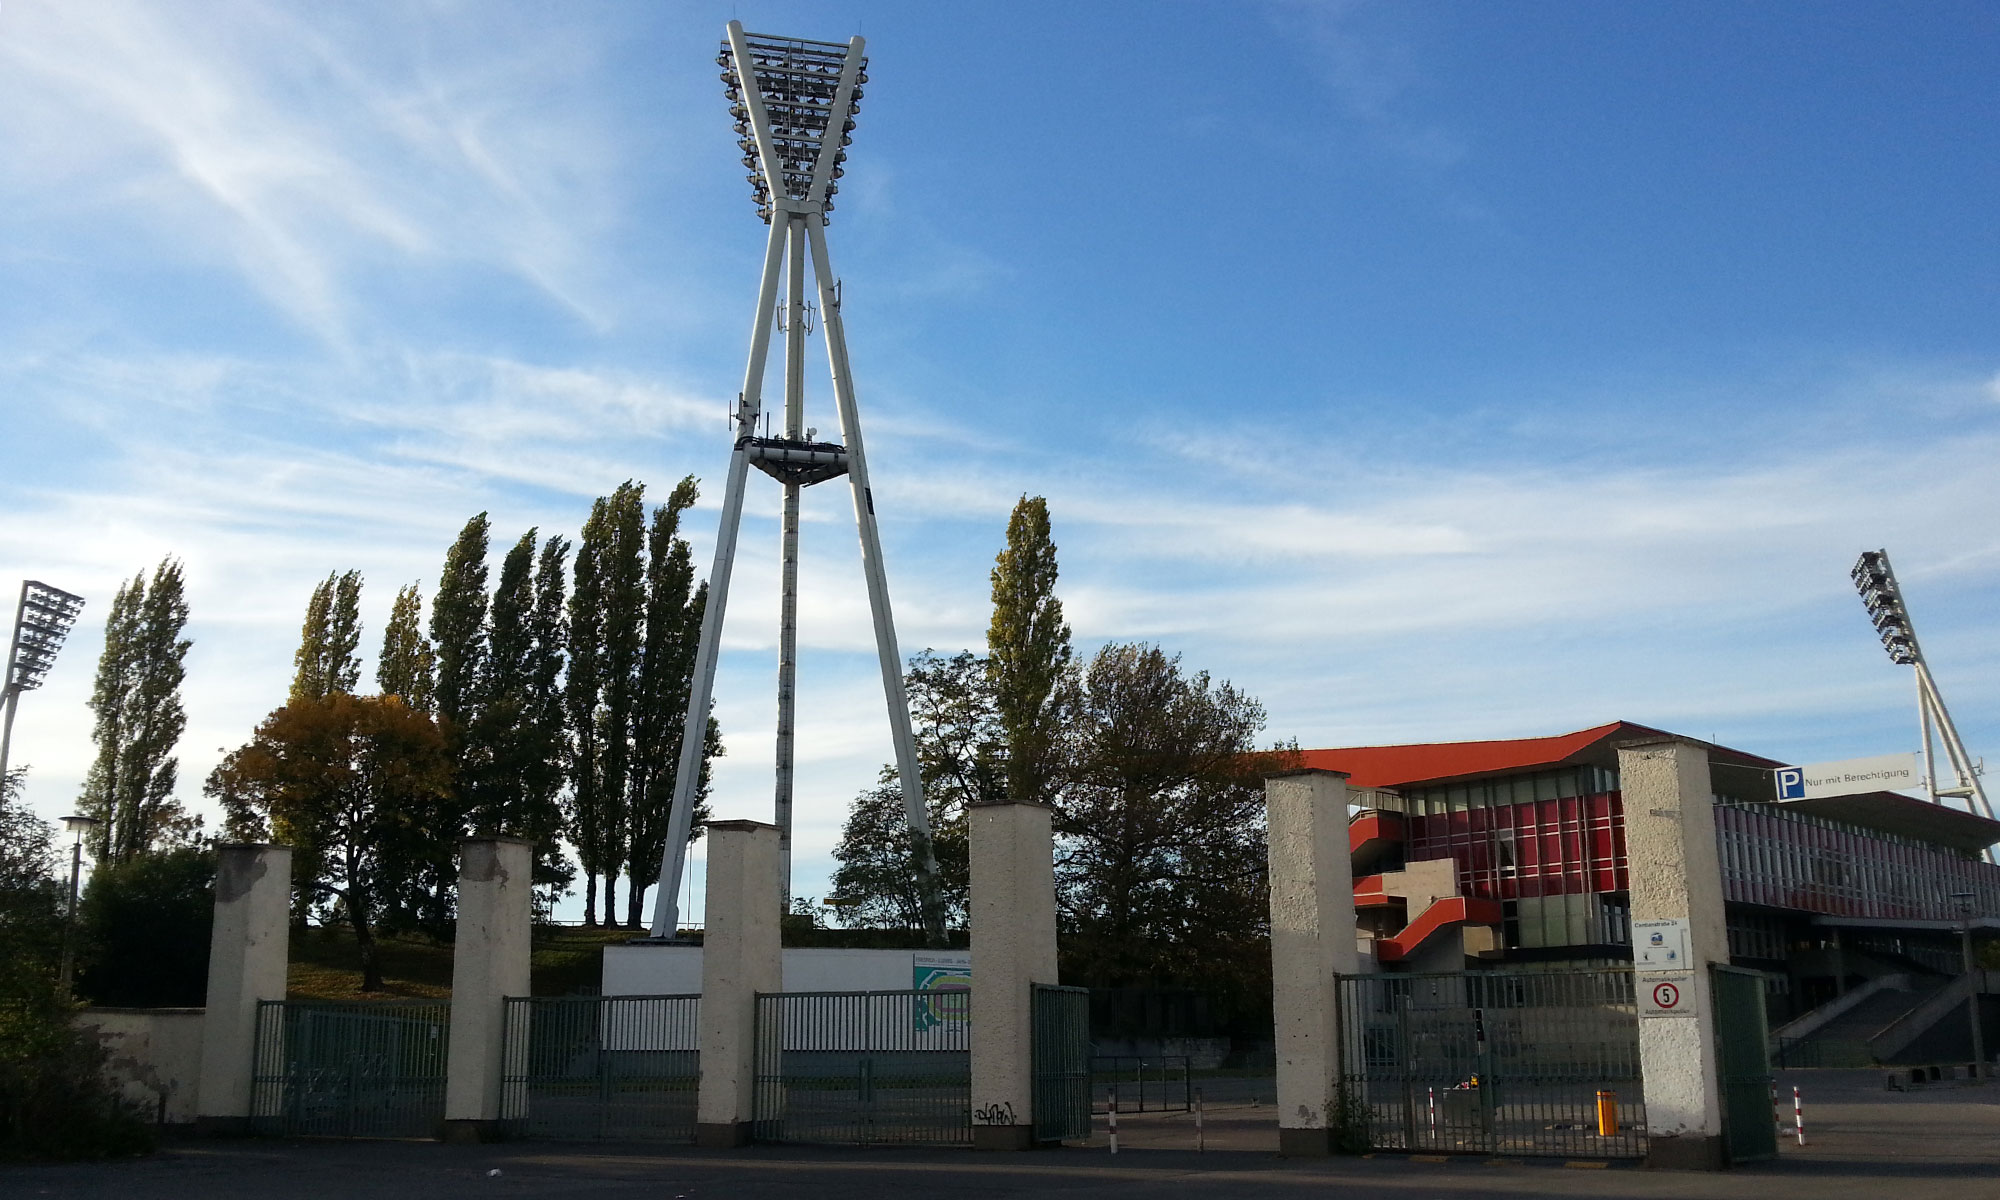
point(1434, 1113)
point(1112, 1116)
point(1798, 1116)
point(1777, 1114)
point(1200, 1142)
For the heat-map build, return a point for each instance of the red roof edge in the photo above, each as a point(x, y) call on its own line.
point(1398, 766)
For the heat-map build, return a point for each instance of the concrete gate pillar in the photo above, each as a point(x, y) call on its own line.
point(1676, 876)
point(248, 951)
point(489, 962)
point(1312, 940)
point(740, 957)
point(1013, 918)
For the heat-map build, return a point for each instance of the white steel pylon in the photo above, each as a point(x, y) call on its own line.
point(794, 102)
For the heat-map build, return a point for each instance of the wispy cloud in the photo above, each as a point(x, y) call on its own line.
point(291, 153)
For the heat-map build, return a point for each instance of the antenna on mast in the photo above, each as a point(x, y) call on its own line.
point(1883, 598)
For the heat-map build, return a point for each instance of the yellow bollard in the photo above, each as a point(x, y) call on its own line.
point(1607, 1114)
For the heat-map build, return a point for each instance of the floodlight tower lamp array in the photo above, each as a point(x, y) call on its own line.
point(42, 621)
point(1875, 581)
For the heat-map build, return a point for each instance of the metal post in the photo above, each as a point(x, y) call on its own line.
point(788, 590)
point(673, 856)
point(1973, 985)
point(1200, 1144)
point(1111, 1117)
point(69, 926)
point(12, 701)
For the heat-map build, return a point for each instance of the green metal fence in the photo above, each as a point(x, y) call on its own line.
point(365, 1069)
point(1742, 1044)
point(864, 1067)
point(601, 1068)
point(1493, 1062)
point(1156, 1083)
point(1062, 1063)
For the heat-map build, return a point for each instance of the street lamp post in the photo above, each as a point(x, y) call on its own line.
point(77, 826)
point(1965, 960)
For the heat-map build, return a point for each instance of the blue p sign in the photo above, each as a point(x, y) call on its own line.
point(1791, 783)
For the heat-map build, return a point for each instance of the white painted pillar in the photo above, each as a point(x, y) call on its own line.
point(1312, 940)
point(1676, 875)
point(248, 951)
point(489, 962)
point(740, 957)
point(1013, 917)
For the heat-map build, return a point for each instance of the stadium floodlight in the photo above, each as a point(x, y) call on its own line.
point(42, 621)
point(794, 103)
point(1875, 580)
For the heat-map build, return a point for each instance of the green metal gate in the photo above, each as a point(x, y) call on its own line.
point(365, 1069)
point(601, 1068)
point(1742, 1045)
point(1493, 1062)
point(1061, 1017)
point(864, 1067)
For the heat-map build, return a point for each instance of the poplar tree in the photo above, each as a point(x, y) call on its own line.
point(1029, 653)
point(624, 598)
point(545, 704)
point(666, 669)
point(407, 667)
point(458, 621)
point(514, 756)
point(137, 701)
point(584, 688)
point(326, 661)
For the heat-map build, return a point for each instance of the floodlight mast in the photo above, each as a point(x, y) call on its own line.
point(794, 101)
point(1875, 580)
point(42, 621)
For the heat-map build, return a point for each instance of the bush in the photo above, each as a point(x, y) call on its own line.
point(55, 1102)
point(145, 931)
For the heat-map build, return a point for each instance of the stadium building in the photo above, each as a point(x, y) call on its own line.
point(1852, 907)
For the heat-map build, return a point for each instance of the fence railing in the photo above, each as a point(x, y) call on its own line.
point(864, 1067)
point(1494, 1062)
point(361, 1069)
point(587, 1068)
point(1157, 1083)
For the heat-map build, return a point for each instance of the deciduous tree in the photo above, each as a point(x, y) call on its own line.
point(351, 779)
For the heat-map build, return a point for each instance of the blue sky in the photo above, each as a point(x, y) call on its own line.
point(1430, 371)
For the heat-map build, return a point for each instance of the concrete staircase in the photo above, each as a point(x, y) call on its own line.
point(1873, 1024)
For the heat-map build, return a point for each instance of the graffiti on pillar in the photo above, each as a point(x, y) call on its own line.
point(994, 1114)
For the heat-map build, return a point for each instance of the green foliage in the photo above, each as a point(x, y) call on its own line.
point(510, 763)
point(959, 745)
point(144, 928)
point(673, 615)
point(54, 1102)
point(1348, 1121)
point(136, 698)
point(634, 623)
point(408, 666)
point(326, 662)
point(458, 621)
point(1029, 645)
point(1160, 824)
point(362, 785)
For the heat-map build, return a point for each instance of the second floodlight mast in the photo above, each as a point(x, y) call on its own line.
point(1883, 598)
point(794, 102)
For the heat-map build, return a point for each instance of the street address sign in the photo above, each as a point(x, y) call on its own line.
point(1883, 773)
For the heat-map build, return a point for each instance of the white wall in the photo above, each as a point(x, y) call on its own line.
point(154, 1055)
point(644, 970)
